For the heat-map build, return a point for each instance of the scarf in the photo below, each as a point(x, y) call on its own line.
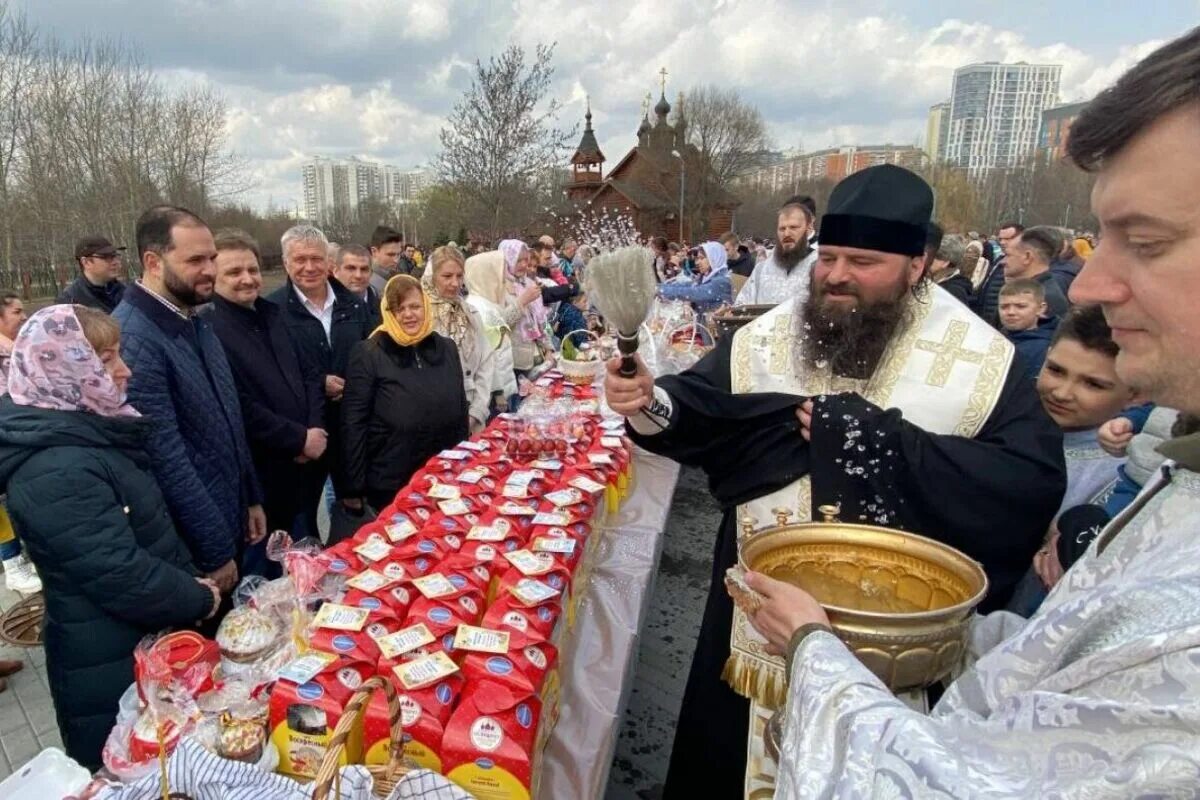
point(452, 320)
point(391, 325)
point(55, 367)
point(717, 260)
point(532, 325)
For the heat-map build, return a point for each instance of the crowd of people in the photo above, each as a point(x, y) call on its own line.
point(1028, 398)
point(157, 430)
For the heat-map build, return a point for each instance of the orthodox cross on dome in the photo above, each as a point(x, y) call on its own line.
point(947, 352)
point(663, 73)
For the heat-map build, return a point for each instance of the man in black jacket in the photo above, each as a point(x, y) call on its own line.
point(283, 408)
point(324, 321)
point(352, 269)
point(987, 298)
point(97, 286)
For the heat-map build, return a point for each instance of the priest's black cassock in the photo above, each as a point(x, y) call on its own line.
point(992, 496)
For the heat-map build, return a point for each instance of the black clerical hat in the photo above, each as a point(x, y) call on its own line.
point(885, 208)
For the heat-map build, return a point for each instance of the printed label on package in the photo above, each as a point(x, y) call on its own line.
point(308, 666)
point(586, 484)
point(552, 518)
point(551, 544)
point(425, 670)
point(444, 491)
point(530, 563)
point(402, 641)
point(369, 581)
point(399, 531)
point(341, 618)
point(374, 549)
point(434, 586)
point(481, 640)
point(532, 592)
point(454, 508)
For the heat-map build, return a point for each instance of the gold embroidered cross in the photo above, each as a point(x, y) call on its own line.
point(948, 351)
point(775, 342)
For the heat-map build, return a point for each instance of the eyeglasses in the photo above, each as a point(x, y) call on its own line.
point(112, 257)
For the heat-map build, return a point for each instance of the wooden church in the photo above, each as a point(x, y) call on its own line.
point(649, 182)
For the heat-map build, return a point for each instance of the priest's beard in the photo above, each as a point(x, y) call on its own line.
point(788, 259)
point(852, 340)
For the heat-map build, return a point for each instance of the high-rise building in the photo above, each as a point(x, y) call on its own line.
point(831, 164)
point(995, 113)
point(333, 183)
point(935, 131)
point(1055, 128)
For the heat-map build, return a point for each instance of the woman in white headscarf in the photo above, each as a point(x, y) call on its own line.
point(712, 289)
point(457, 320)
point(500, 307)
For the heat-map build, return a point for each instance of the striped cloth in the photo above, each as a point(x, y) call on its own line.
point(204, 776)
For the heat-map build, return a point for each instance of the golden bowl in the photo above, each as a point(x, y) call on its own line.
point(901, 602)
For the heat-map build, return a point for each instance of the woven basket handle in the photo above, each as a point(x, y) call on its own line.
point(329, 773)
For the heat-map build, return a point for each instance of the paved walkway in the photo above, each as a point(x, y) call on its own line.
point(27, 723)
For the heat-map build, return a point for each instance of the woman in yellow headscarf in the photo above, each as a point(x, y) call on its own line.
point(404, 400)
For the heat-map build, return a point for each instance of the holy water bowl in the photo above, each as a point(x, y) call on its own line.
point(902, 603)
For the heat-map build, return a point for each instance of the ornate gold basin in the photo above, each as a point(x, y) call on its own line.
point(901, 602)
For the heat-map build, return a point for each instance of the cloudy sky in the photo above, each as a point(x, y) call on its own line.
point(375, 78)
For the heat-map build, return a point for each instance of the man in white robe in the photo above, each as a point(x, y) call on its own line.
point(1098, 695)
point(786, 273)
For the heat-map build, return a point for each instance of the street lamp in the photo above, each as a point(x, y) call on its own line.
point(682, 185)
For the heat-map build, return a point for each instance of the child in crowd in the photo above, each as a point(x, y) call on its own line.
point(1080, 390)
point(1022, 306)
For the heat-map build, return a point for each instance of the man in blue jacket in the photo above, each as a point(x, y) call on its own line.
point(182, 380)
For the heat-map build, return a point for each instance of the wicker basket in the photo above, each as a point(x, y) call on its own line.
point(583, 373)
point(386, 777)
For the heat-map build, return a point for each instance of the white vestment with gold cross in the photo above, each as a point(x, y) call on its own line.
point(944, 370)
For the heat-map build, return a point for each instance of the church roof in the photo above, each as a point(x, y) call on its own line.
point(643, 197)
point(662, 107)
point(589, 148)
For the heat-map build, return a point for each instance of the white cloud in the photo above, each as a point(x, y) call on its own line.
point(376, 78)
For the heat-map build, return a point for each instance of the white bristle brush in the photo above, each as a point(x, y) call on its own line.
point(621, 284)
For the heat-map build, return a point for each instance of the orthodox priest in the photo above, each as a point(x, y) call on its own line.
point(877, 392)
point(785, 273)
point(1096, 696)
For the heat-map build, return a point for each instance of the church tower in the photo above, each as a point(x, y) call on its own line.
point(587, 165)
point(680, 124)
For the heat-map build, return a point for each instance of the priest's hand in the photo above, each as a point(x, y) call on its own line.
point(628, 396)
point(783, 610)
point(804, 413)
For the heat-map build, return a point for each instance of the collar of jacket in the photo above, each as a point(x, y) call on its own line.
point(140, 298)
point(1184, 451)
point(343, 299)
point(260, 315)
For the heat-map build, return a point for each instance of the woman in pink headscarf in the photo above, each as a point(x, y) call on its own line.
point(531, 339)
point(84, 501)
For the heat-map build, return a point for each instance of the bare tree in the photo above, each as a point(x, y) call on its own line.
point(18, 43)
point(730, 137)
point(501, 135)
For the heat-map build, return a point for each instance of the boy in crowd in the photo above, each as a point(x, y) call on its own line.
point(1022, 306)
point(1080, 390)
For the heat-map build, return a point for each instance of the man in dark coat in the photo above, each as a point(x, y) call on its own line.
point(182, 381)
point(284, 409)
point(324, 321)
point(352, 269)
point(98, 285)
point(987, 298)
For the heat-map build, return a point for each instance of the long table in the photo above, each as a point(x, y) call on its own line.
point(598, 660)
